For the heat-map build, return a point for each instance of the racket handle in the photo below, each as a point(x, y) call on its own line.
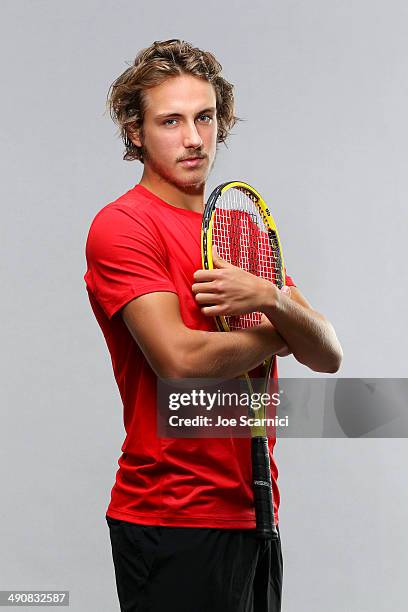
point(262, 485)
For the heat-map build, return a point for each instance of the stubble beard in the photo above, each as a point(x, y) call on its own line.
point(191, 185)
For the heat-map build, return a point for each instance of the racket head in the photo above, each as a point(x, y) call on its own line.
point(238, 222)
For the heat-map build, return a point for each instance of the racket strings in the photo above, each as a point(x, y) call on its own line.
point(243, 239)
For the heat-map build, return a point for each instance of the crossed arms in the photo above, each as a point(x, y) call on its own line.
point(289, 325)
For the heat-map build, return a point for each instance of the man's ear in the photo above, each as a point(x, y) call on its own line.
point(135, 136)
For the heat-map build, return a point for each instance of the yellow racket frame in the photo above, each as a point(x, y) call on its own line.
point(206, 252)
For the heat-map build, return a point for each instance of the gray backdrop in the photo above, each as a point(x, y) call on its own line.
point(323, 89)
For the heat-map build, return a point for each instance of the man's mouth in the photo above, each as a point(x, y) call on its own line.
point(191, 161)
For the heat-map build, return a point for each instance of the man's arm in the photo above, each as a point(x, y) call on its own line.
point(176, 351)
point(228, 290)
point(308, 334)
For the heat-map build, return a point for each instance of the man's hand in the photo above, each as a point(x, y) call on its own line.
point(229, 290)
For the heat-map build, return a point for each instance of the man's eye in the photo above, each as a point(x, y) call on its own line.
point(206, 118)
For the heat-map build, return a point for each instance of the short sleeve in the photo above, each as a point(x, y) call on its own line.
point(125, 259)
point(289, 280)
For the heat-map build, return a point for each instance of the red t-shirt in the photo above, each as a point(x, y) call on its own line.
point(140, 244)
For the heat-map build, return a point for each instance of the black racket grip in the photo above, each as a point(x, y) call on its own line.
point(262, 486)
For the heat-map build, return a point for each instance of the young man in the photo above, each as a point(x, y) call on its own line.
point(181, 515)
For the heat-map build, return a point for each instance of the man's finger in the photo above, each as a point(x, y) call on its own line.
point(218, 261)
point(207, 298)
point(204, 276)
point(203, 287)
point(212, 311)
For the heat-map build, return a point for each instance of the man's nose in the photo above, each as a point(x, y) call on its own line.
point(191, 137)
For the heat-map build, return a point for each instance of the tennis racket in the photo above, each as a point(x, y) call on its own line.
point(238, 222)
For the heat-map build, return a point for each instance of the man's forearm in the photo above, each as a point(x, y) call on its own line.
point(308, 334)
point(228, 354)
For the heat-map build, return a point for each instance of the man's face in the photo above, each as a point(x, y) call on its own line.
point(180, 122)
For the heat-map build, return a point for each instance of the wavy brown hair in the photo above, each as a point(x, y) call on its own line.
point(126, 100)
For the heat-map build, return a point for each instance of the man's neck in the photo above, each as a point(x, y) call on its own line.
point(190, 198)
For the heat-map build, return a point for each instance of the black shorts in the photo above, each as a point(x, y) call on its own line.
point(189, 569)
